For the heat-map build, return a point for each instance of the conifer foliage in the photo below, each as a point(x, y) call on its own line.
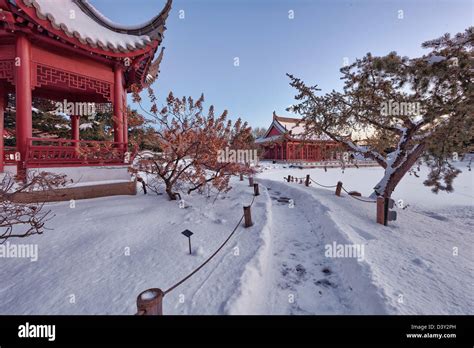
point(411, 110)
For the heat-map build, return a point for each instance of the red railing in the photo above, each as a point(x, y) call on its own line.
point(9, 155)
point(63, 152)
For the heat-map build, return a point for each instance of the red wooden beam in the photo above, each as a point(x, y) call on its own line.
point(118, 104)
point(2, 109)
point(23, 95)
point(75, 127)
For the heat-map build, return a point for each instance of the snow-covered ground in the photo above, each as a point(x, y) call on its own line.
point(101, 254)
point(423, 263)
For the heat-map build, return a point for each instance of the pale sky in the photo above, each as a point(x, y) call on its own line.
point(201, 48)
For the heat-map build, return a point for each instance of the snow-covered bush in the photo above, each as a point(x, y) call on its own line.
point(190, 144)
point(25, 219)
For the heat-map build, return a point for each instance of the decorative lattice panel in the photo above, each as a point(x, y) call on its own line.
point(49, 76)
point(6, 70)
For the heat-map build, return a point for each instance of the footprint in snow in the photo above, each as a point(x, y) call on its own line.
point(422, 263)
point(300, 270)
point(326, 271)
point(326, 283)
point(435, 216)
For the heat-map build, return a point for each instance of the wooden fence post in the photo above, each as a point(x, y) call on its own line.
point(150, 302)
point(381, 210)
point(250, 181)
point(338, 188)
point(247, 217)
point(307, 180)
point(255, 190)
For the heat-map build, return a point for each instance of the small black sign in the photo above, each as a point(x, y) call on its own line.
point(187, 233)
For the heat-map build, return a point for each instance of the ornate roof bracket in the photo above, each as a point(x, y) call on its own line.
point(154, 69)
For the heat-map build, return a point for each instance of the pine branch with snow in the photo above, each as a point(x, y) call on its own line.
point(411, 109)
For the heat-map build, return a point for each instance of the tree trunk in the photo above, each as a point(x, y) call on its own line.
point(389, 182)
point(169, 191)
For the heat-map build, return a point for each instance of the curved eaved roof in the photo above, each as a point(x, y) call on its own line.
point(79, 19)
point(153, 28)
point(290, 128)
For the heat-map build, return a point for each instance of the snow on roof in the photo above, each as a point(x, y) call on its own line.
point(153, 27)
point(70, 18)
point(289, 124)
point(267, 139)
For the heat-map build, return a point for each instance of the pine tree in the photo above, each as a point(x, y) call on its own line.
point(415, 109)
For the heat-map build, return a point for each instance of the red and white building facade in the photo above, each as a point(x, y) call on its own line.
point(67, 50)
point(285, 140)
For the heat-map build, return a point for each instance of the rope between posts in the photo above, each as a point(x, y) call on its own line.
point(210, 257)
point(359, 199)
point(332, 186)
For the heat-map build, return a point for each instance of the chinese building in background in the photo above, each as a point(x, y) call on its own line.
point(68, 50)
point(285, 140)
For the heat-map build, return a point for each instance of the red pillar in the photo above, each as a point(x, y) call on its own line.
point(118, 104)
point(23, 95)
point(2, 111)
point(125, 120)
point(75, 121)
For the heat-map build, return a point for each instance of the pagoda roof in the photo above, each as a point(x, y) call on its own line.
point(289, 124)
point(92, 28)
point(288, 128)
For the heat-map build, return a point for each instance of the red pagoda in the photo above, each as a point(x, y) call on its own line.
point(68, 50)
point(285, 140)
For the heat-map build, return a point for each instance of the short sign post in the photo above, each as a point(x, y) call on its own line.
point(338, 188)
point(247, 217)
point(150, 302)
point(390, 215)
point(384, 214)
point(188, 234)
point(255, 190)
point(380, 210)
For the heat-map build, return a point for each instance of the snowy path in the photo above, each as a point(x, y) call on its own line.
point(298, 278)
point(421, 264)
point(101, 254)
